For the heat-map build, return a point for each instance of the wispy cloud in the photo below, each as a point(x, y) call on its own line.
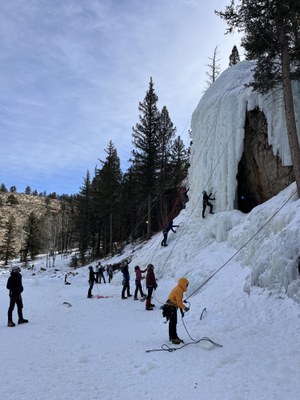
point(72, 73)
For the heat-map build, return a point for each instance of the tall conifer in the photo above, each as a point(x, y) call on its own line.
point(147, 147)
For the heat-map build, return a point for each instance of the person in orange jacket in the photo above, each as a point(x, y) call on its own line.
point(174, 302)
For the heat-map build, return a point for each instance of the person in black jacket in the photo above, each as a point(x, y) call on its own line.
point(15, 287)
point(92, 280)
point(206, 202)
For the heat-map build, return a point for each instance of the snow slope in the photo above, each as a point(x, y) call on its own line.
point(97, 347)
point(242, 271)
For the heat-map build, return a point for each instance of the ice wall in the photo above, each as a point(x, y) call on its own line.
point(218, 134)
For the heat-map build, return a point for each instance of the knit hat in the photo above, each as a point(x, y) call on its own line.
point(15, 268)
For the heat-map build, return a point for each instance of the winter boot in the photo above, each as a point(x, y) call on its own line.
point(11, 324)
point(177, 341)
point(123, 297)
point(23, 321)
point(149, 308)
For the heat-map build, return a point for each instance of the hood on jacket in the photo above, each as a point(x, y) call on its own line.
point(183, 283)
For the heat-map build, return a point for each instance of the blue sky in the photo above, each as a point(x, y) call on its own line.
point(72, 73)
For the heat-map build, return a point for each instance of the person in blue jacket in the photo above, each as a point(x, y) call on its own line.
point(125, 282)
point(166, 230)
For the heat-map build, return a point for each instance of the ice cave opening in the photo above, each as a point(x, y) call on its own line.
point(260, 173)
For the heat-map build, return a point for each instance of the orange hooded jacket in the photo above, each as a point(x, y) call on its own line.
point(176, 294)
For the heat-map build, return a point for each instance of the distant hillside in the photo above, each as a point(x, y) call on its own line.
point(20, 206)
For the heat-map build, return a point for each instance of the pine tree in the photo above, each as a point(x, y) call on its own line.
point(234, 57)
point(147, 149)
point(165, 178)
point(12, 200)
point(106, 191)
point(7, 248)
point(214, 68)
point(271, 29)
point(32, 241)
point(84, 219)
point(3, 188)
point(179, 161)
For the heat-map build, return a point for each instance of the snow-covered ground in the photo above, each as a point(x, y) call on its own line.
point(96, 348)
point(242, 272)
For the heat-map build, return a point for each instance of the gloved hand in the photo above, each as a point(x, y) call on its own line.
point(186, 309)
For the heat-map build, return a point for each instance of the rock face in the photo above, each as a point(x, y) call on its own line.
point(260, 173)
point(240, 143)
point(20, 208)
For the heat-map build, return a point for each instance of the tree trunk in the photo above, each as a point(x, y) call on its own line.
point(289, 104)
point(149, 217)
point(111, 235)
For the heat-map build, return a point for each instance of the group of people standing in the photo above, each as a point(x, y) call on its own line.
point(175, 298)
point(174, 302)
point(151, 284)
point(98, 275)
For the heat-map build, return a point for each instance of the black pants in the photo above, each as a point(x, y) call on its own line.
point(164, 241)
point(15, 301)
point(173, 323)
point(149, 295)
point(102, 277)
point(126, 287)
point(204, 208)
point(90, 289)
point(138, 288)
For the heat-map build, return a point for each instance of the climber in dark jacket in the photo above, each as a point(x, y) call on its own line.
point(15, 287)
point(151, 285)
point(206, 202)
point(166, 230)
point(92, 280)
point(125, 282)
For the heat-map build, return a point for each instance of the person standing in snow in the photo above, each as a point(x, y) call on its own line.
point(138, 281)
point(151, 285)
point(174, 302)
point(110, 273)
point(15, 287)
point(166, 230)
point(101, 273)
point(97, 273)
point(92, 280)
point(206, 202)
point(125, 282)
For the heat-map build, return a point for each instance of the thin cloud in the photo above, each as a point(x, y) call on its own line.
point(73, 72)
